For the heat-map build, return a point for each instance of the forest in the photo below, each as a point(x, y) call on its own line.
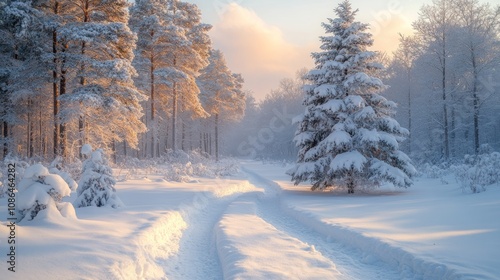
point(142, 79)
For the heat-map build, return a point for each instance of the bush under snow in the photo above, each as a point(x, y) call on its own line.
point(41, 193)
point(478, 171)
point(56, 167)
point(180, 166)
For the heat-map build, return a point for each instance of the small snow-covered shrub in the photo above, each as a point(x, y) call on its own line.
point(56, 167)
point(41, 191)
point(96, 185)
point(178, 166)
point(21, 166)
point(479, 171)
point(434, 171)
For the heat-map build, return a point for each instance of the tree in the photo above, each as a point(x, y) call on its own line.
point(189, 47)
point(346, 136)
point(96, 185)
point(479, 44)
point(221, 92)
point(434, 30)
point(405, 57)
point(104, 97)
point(149, 20)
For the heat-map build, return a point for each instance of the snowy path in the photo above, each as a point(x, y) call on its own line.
point(242, 231)
point(349, 262)
point(197, 257)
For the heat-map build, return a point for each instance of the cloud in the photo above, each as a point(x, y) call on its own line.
point(257, 50)
point(386, 32)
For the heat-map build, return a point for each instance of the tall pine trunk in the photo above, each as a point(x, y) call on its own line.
point(55, 90)
point(62, 91)
point(152, 94)
point(409, 112)
point(5, 138)
point(475, 98)
point(81, 120)
point(217, 137)
point(445, 107)
point(174, 116)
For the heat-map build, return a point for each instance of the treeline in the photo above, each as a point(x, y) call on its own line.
point(133, 79)
point(445, 79)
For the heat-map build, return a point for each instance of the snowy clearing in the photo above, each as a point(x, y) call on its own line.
point(257, 225)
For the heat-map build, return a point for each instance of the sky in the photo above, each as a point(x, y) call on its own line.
point(267, 41)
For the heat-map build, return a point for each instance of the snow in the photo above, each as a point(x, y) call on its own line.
point(35, 171)
point(86, 149)
point(257, 225)
point(240, 231)
point(349, 160)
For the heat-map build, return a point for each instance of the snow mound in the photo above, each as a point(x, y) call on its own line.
point(35, 171)
point(157, 242)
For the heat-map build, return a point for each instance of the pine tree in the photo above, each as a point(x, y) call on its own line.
point(221, 92)
point(104, 100)
point(148, 20)
point(96, 185)
point(347, 137)
point(188, 54)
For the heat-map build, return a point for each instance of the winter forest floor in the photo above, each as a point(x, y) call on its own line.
point(257, 225)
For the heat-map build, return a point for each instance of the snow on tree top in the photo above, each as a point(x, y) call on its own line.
point(86, 149)
point(35, 171)
point(58, 184)
point(97, 156)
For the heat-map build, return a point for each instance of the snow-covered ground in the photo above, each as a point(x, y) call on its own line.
point(257, 225)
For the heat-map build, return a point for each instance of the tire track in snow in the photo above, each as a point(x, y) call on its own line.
point(351, 262)
point(197, 256)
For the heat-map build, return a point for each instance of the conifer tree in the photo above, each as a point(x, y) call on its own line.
point(221, 92)
point(347, 137)
point(149, 20)
point(188, 54)
point(104, 100)
point(96, 186)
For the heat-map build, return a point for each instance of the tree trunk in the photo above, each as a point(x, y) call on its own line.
point(350, 184)
point(174, 117)
point(445, 107)
point(475, 98)
point(183, 136)
point(55, 91)
point(409, 111)
point(62, 91)
point(31, 126)
point(125, 148)
point(81, 121)
point(217, 137)
point(113, 149)
point(152, 93)
point(5, 138)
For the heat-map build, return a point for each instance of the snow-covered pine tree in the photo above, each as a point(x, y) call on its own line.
point(347, 137)
point(96, 185)
point(22, 71)
point(188, 54)
point(104, 100)
point(148, 20)
point(56, 167)
point(221, 93)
